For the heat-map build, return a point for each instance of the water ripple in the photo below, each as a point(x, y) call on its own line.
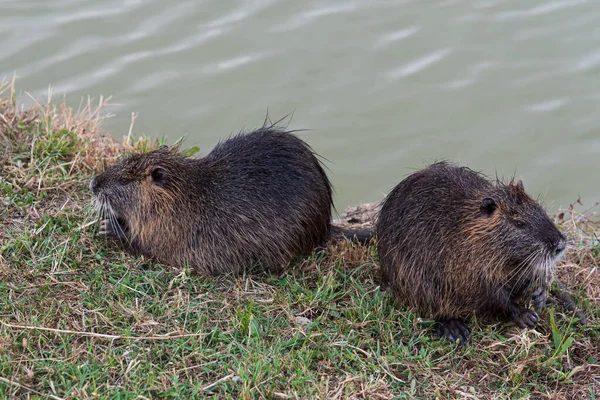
point(420, 64)
point(99, 13)
point(396, 36)
point(546, 8)
point(308, 17)
point(240, 14)
point(546, 106)
point(233, 62)
point(590, 61)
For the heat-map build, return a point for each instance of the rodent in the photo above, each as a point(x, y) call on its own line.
point(452, 244)
point(259, 198)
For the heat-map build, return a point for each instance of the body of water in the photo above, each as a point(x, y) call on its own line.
point(383, 87)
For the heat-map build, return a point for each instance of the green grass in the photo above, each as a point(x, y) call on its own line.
point(81, 319)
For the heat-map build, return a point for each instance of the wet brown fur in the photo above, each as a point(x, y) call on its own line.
point(258, 199)
point(449, 258)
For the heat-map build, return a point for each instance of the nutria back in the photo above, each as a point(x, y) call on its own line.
point(451, 243)
point(257, 199)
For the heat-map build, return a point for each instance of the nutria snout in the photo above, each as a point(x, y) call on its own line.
point(453, 244)
point(257, 199)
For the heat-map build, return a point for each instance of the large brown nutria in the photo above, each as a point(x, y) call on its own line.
point(257, 199)
point(453, 244)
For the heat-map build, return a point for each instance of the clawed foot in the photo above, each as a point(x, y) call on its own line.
point(112, 227)
point(538, 298)
point(453, 330)
point(526, 318)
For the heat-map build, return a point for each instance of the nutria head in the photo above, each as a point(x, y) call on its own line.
point(516, 231)
point(140, 187)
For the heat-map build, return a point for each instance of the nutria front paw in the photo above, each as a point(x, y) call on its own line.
point(539, 298)
point(453, 330)
point(526, 318)
point(112, 227)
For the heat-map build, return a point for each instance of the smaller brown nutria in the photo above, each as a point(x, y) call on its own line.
point(257, 199)
point(453, 244)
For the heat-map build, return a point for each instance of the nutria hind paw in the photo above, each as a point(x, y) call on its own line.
point(453, 330)
point(539, 298)
point(527, 318)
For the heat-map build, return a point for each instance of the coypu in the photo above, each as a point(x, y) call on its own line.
point(258, 198)
point(453, 244)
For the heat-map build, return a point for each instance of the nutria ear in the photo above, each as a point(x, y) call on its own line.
point(488, 206)
point(162, 148)
point(159, 176)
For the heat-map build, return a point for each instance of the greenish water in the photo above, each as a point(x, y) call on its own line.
point(384, 87)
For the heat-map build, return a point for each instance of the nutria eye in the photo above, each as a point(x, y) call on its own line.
point(488, 206)
point(159, 176)
point(519, 224)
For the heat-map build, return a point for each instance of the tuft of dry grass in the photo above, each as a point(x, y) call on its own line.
point(80, 319)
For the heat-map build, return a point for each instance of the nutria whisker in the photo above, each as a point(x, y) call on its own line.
point(535, 273)
point(525, 267)
point(115, 223)
point(110, 222)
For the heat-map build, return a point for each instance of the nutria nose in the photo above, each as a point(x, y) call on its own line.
point(560, 245)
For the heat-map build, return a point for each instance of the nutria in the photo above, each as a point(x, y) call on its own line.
point(257, 199)
point(453, 244)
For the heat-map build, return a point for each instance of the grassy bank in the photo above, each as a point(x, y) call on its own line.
point(81, 319)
